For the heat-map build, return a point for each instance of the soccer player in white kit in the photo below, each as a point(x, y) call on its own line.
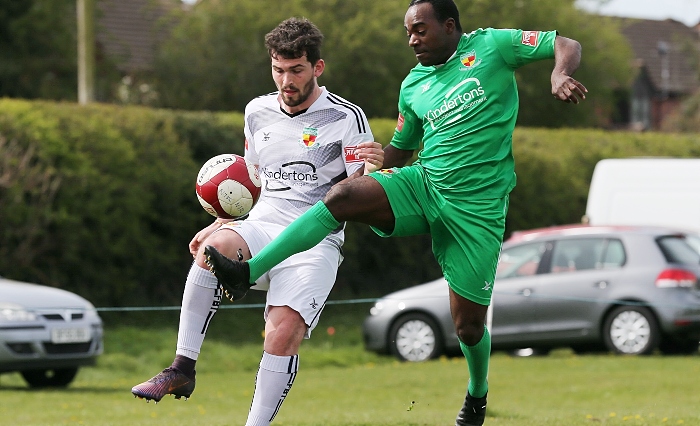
point(303, 140)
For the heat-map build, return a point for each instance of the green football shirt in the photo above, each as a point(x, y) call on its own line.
point(464, 112)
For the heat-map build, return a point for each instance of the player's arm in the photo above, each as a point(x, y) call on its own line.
point(202, 235)
point(372, 154)
point(395, 157)
point(567, 57)
point(377, 158)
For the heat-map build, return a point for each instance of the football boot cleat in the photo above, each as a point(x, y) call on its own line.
point(233, 275)
point(168, 382)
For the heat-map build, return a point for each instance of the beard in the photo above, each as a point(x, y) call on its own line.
point(300, 97)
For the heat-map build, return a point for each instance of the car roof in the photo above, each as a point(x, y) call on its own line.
point(31, 295)
point(581, 229)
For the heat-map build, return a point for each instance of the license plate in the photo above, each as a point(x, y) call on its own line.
point(70, 335)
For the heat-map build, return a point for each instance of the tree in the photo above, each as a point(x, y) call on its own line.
point(605, 66)
point(216, 58)
point(38, 49)
point(38, 52)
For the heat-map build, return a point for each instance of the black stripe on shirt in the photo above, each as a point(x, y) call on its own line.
point(352, 107)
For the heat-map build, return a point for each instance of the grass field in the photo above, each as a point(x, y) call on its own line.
point(341, 384)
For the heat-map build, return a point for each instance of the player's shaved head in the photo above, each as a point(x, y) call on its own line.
point(443, 9)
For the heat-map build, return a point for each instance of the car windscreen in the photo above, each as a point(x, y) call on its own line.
point(677, 250)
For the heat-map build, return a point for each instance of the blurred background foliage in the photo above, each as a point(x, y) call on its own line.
point(216, 53)
point(100, 199)
point(38, 52)
point(213, 55)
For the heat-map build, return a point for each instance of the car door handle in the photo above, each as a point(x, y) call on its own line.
point(601, 284)
point(525, 292)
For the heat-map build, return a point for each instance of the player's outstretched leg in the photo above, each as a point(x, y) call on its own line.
point(170, 381)
point(233, 275)
point(473, 412)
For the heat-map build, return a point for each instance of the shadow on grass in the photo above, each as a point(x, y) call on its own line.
point(68, 391)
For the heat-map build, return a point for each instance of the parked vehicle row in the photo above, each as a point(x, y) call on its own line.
point(625, 289)
point(46, 333)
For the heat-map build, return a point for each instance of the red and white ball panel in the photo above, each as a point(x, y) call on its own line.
point(228, 187)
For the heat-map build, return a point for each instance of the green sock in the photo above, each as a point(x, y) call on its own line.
point(478, 357)
point(305, 232)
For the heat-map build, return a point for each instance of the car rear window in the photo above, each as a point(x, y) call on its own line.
point(694, 241)
point(677, 250)
point(520, 261)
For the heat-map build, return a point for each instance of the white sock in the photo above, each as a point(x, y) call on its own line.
point(274, 380)
point(200, 301)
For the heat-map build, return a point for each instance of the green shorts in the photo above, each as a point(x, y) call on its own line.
point(466, 234)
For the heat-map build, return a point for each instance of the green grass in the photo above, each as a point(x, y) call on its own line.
point(341, 384)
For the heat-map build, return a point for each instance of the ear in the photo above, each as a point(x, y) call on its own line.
point(319, 67)
point(450, 26)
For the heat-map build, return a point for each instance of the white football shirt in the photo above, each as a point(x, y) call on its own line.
point(300, 156)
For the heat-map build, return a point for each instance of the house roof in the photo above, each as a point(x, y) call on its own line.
point(647, 38)
point(128, 30)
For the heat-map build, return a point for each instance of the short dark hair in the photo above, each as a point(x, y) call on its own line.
point(294, 38)
point(443, 9)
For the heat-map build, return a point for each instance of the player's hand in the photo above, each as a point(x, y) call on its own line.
point(567, 89)
point(373, 155)
point(201, 236)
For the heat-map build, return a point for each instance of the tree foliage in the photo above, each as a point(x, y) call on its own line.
point(38, 52)
point(100, 199)
point(38, 49)
point(605, 64)
point(686, 118)
point(216, 58)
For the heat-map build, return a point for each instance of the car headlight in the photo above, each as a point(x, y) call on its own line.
point(377, 308)
point(15, 313)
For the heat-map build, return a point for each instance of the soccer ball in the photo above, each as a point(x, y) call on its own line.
point(227, 186)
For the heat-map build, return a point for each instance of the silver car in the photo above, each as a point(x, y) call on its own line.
point(46, 333)
point(630, 290)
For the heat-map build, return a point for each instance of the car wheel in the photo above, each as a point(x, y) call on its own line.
point(59, 377)
point(415, 337)
point(631, 330)
point(679, 347)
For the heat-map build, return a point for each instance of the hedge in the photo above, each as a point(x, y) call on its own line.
point(100, 199)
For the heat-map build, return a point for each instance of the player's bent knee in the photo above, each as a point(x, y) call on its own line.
point(470, 333)
point(228, 242)
point(359, 199)
point(338, 194)
point(286, 339)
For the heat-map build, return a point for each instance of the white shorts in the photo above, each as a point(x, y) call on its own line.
point(303, 281)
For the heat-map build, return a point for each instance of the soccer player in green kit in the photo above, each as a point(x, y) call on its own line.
point(461, 102)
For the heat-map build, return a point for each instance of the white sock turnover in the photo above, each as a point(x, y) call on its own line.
point(200, 301)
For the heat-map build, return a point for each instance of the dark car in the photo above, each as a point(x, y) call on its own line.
point(46, 333)
point(630, 290)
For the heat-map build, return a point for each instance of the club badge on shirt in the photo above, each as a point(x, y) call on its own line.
point(308, 137)
point(389, 172)
point(469, 60)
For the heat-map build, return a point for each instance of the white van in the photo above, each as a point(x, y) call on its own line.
point(645, 191)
